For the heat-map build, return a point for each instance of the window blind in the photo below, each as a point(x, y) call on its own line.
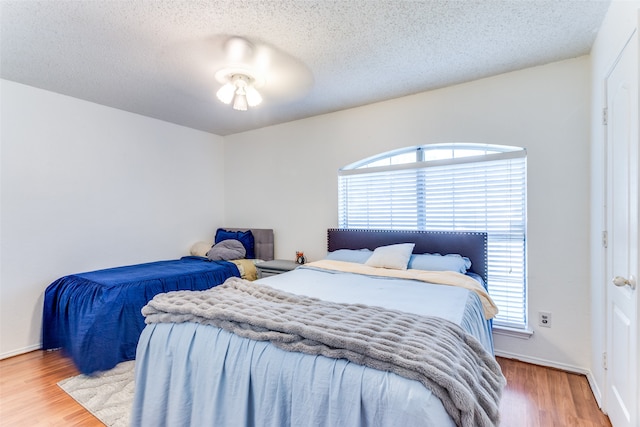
point(480, 193)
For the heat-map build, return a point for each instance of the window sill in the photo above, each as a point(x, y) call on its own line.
point(523, 334)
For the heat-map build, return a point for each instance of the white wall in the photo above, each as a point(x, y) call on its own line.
point(291, 169)
point(617, 27)
point(86, 186)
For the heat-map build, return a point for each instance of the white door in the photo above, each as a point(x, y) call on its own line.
point(622, 391)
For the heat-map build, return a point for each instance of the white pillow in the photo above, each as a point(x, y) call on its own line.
point(200, 249)
point(393, 256)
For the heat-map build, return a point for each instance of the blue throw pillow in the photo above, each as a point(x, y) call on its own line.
point(245, 237)
point(437, 262)
point(359, 256)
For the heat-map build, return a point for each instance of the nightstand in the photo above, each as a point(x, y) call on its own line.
point(276, 266)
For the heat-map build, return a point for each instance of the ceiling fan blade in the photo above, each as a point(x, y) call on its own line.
point(285, 77)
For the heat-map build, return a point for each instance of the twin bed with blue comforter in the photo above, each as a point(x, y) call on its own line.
point(95, 317)
point(340, 342)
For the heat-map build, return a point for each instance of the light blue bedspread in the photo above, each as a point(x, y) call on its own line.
point(198, 375)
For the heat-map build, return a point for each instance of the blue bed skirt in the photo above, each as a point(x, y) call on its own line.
point(95, 317)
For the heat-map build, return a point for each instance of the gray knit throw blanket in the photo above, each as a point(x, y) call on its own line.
point(439, 354)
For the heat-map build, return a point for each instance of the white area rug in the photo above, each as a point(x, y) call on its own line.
point(107, 395)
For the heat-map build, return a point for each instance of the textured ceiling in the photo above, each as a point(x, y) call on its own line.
point(158, 57)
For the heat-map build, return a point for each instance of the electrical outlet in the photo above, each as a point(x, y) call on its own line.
point(544, 319)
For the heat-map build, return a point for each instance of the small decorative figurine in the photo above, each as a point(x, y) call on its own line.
point(300, 259)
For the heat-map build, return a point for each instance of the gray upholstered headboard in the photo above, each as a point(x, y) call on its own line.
point(473, 245)
point(263, 241)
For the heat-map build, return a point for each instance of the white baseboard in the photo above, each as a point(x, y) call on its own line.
point(20, 351)
point(595, 390)
point(564, 367)
point(542, 362)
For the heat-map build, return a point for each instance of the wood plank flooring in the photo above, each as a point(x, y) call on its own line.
point(534, 397)
point(30, 396)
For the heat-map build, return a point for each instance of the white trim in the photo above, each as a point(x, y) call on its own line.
point(20, 351)
point(523, 334)
point(606, 400)
point(436, 163)
point(595, 390)
point(542, 362)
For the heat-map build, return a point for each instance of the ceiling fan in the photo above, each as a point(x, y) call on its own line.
point(248, 72)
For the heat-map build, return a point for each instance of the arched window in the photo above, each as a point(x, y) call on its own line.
point(458, 186)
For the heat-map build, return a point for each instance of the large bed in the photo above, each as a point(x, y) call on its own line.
point(95, 317)
point(338, 342)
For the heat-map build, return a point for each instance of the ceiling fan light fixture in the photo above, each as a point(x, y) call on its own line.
point(239, 88)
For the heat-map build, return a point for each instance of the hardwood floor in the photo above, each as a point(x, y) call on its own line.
point(534, 397)
point(543, 397)
point(29, 395)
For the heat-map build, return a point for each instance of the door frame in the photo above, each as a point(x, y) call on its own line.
point(607, 247)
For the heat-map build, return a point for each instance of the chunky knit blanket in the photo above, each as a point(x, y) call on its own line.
point(438, 353)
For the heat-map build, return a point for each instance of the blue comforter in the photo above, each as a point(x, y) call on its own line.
point(95, 317)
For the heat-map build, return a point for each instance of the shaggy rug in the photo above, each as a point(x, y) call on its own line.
point(107, 395)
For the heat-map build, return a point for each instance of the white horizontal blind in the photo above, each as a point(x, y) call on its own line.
point(379, 200)
point(482, 193)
